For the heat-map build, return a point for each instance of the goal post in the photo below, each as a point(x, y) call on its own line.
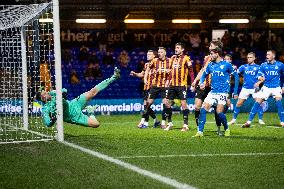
point(30, 60)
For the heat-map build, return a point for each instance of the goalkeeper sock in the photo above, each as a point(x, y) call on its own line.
point(102, 85)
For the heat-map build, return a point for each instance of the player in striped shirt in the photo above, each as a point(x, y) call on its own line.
point(160, 68)
point(150, 56)
point(180, 70)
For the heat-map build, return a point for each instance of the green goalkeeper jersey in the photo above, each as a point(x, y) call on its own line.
point(72, 110)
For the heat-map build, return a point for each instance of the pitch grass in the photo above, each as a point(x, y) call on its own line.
point(53, 165)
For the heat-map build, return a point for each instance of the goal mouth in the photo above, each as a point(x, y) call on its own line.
point(27, 64)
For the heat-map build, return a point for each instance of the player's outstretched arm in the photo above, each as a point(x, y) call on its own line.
point(202, 79)
point(139, 75)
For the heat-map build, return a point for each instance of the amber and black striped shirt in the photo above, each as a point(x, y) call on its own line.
point(160, 71)
point(149, 78)
point(180, 70)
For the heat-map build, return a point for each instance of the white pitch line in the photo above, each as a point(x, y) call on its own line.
point(134, 168)
point(202, 155)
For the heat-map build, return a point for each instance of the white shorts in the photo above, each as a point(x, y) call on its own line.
point(216, 98)
point(245, 93)
point(266, 92)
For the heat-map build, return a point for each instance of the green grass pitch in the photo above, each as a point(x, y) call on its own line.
point(250, 158)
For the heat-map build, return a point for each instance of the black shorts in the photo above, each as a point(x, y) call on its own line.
point(145, 94)
point(177, 92)
point(155, 91)
point(202, 94)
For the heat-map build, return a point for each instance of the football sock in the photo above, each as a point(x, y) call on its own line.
point(223, 120)
point(260, 113)
point(185, 116)
point(280, 110)
point(152, 113)
point(164, 113)
point(254, 110)
point(236, 112)
point(196, 114)
point(202, 119)
point(169, 113)
point(217, 119)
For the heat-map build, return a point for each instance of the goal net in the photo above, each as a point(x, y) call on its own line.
point(27, 65)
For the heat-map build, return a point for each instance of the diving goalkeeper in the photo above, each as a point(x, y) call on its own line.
point(72, 110)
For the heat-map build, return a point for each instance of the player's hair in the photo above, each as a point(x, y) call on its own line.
point(180, 44)
point(217, 50)
point(230, 56)
point(162, 48)
point(273, 51)
point(217, 43)
point(154, 52)
point(251, 53)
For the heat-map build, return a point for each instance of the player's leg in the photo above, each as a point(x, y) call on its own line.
point(202, 117)
point(198, 104)
point(167, 113)
point(260, 110)
point(153, 93)
point(168, 97)
point(223, 119)
point(253, 111)
point(93, 122)
point(237, 110)
point(277, 93)
point(244, 94)
point(182, 94)
point(143, 115)
point(82, 119)
point(152, 113)
point(102, 85)
point(185, 112)
point(217, 120)
point(147, 113)
point(264, 94)
point(199, 98)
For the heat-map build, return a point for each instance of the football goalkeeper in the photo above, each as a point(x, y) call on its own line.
point(72, 110)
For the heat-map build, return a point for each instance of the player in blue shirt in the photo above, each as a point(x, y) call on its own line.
point(249, 72)
point(220, 72)
point(269, 72)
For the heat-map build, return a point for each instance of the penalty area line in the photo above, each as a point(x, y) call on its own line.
point(155, 176)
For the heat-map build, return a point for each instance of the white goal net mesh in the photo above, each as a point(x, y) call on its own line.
point(34, 23)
